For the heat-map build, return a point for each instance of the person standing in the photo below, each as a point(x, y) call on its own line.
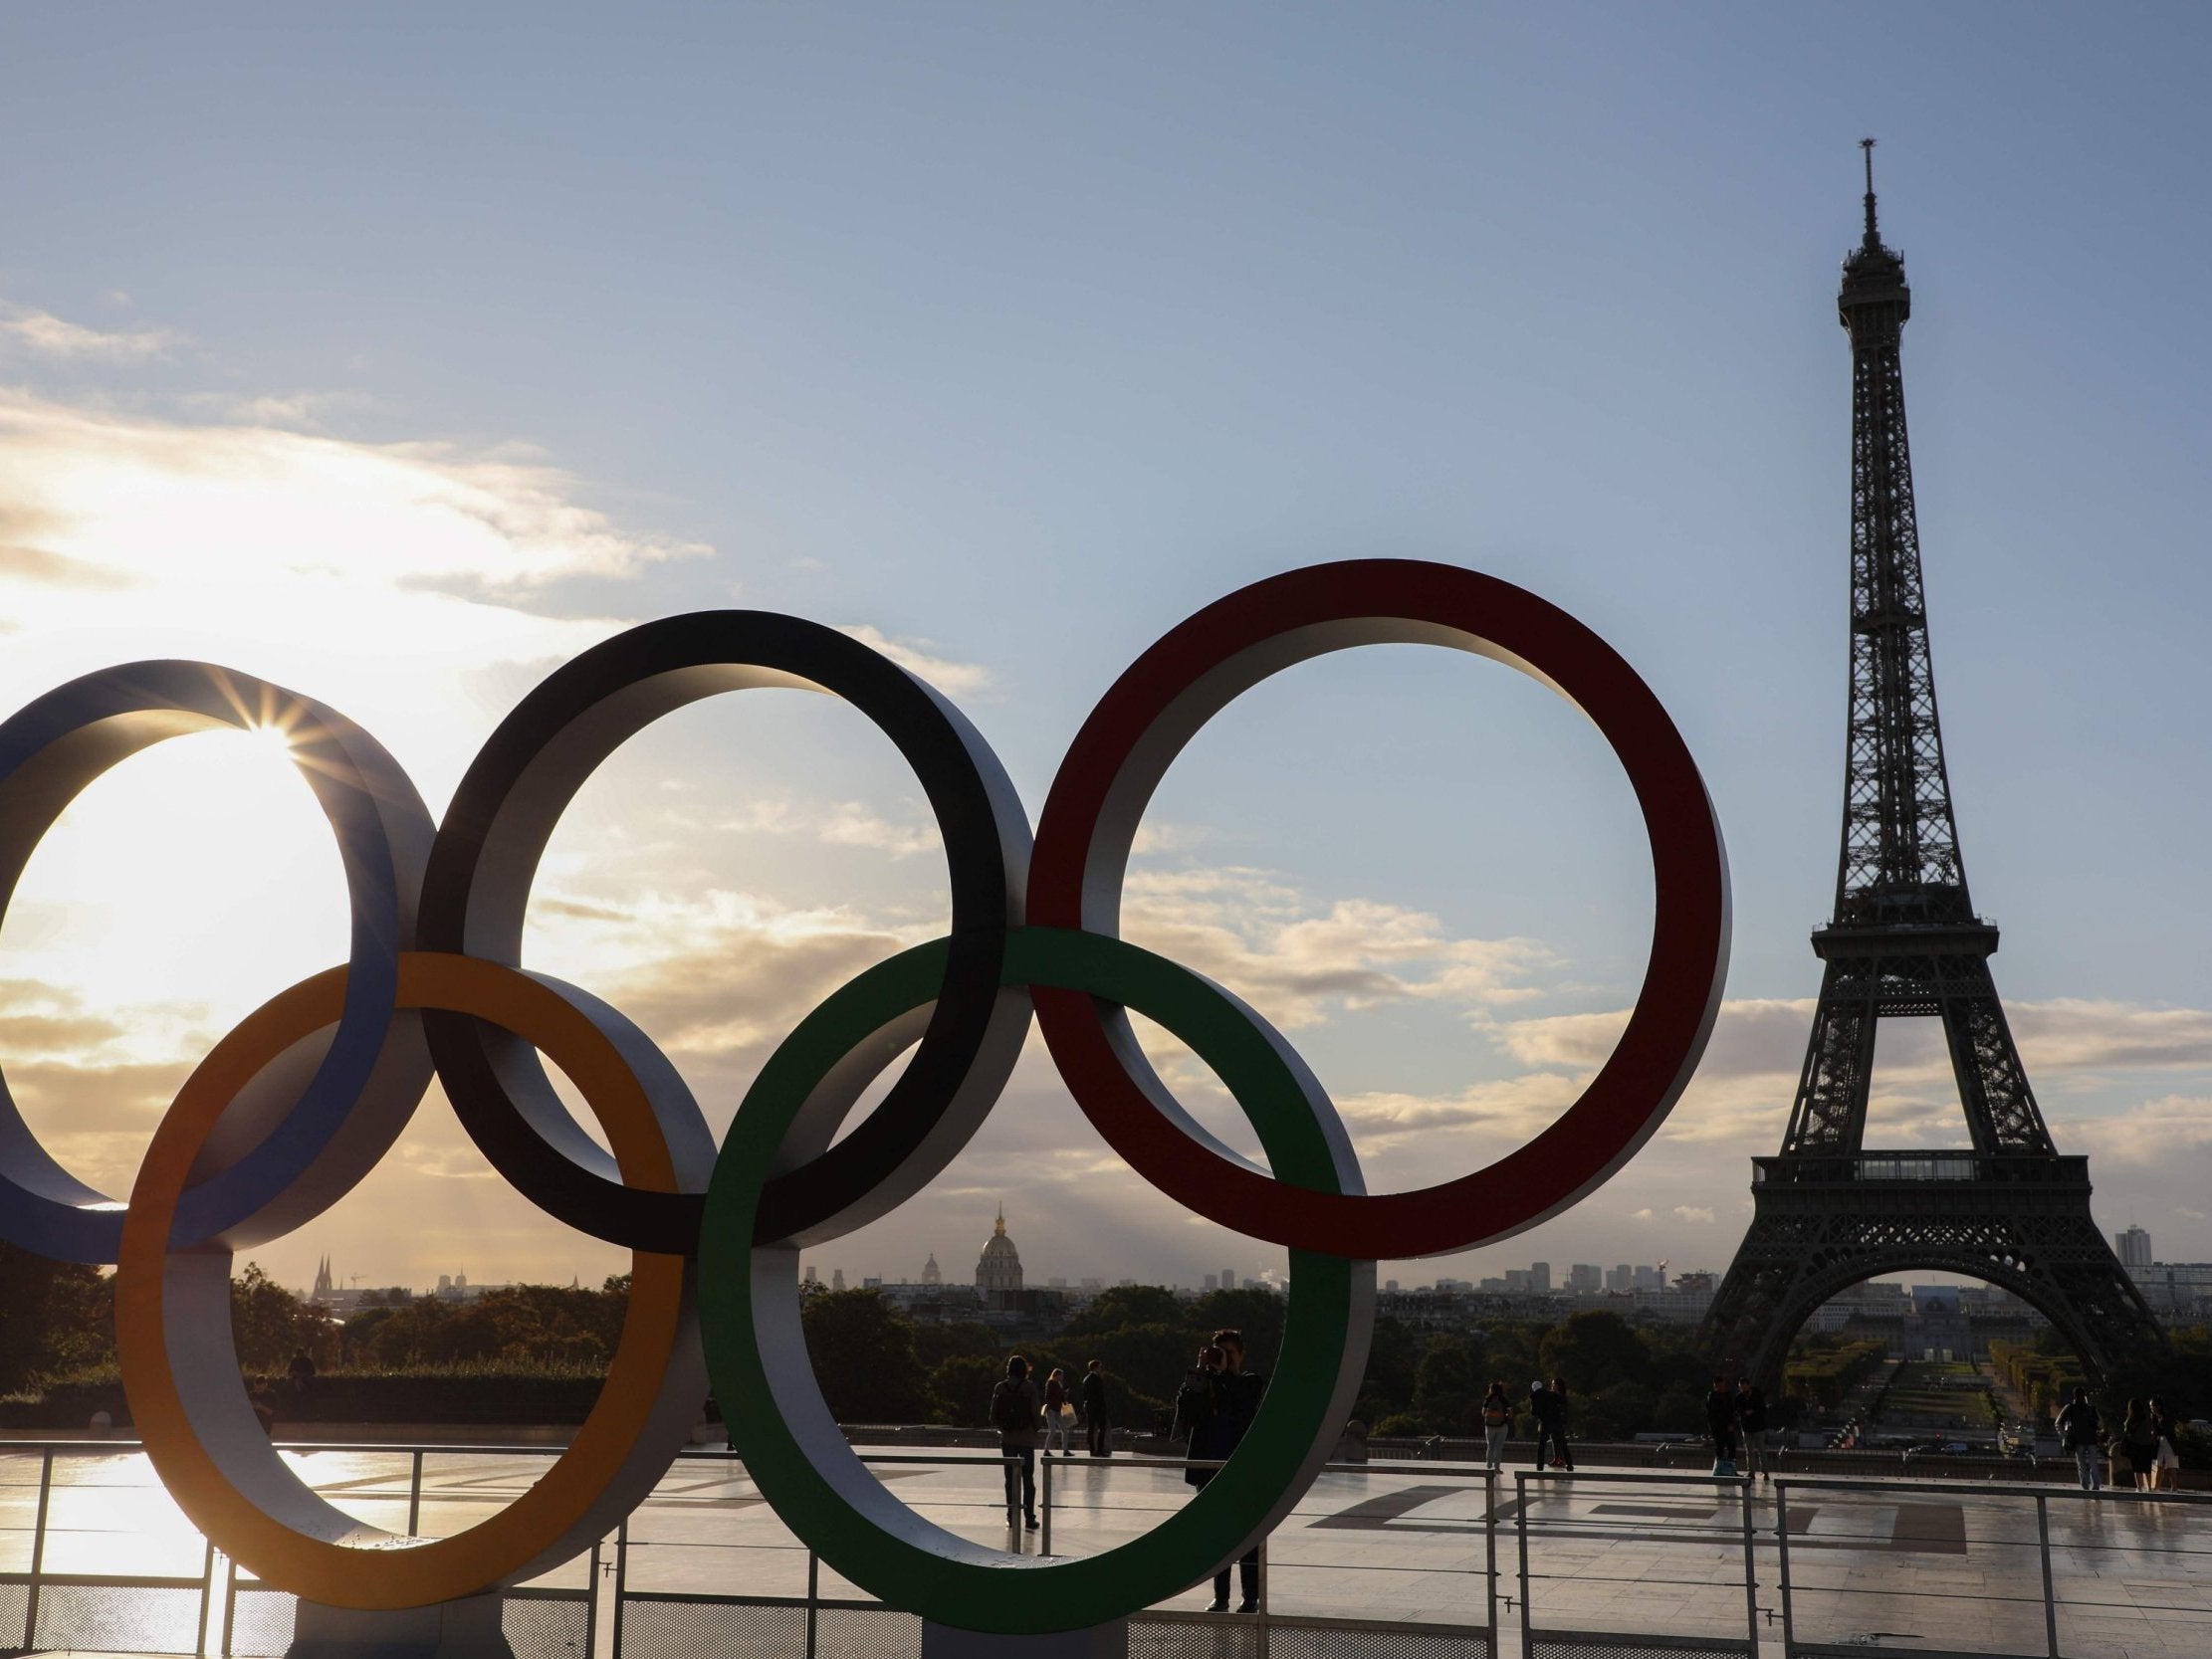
point(1496, 1415)
point(1555, 1395)
point(1014, 1408)
point(1751, 1421)
point(2141, 1442)
point(1059, 1414)
point(1097, 1426)
point(1541, 1409)
point(1721, 1425)
point(1231, 1395)
point(2078, 1431)
point(2165, 1466)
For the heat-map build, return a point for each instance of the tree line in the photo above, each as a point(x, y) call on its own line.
point(876, 1366)
point(56, 1321)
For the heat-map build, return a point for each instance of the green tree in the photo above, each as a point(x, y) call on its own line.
point(936, 1344)
point(862, 1350)
point(1126, 1304)
point(270, 1325)
point(55, 1318)
point(1620, 1413)
point(1593, 1349)
point(1388, 1387)
point(1444, 1390)
point(959, 1388)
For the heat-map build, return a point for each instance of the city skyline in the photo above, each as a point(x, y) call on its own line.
point(1007, 349)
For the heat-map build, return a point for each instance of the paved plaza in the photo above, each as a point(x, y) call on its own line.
point(1873, 1565)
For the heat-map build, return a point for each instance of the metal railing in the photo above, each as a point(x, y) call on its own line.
point(1814, 1564)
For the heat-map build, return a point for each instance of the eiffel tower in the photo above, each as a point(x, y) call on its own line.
point(1906, 942)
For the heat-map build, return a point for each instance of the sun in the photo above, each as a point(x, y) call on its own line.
point(275, 737)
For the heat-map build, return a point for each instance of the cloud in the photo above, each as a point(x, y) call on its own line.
point(839, 824)
point(1296, 961)
point(1701, 1213)
point(1643, 1214)
point(233, 502)
point(312, 560)
point(47, 335)
point(950, 677)
point(717, 979)
point(2150, 1135)
point(2074, 1034)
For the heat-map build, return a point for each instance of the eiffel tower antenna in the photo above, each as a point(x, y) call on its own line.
point(1866, 147)
point(1906, 941)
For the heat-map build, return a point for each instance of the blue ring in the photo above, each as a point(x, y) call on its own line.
point(57, 745)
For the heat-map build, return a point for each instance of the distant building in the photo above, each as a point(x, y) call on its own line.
point(998, 1268)
point(836, 1278)
point(1620, 1280)
point(2179, 1288)
point(932, 1274)
point(1649, 1279)
point(1519, 1281)
point(1539, 1277)
point(2134, 1248)
point(1213, 1282)
point(1229, 1278)
point(1586, 1277)
point(458, 1289)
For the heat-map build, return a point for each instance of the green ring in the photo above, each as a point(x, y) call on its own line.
point(918, 1567)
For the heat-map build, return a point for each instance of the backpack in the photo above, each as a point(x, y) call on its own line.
point(1009, 1409)
point(1496, 1415)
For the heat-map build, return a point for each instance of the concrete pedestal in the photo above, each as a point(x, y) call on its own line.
point(465, 1629)
point(1100, 1641)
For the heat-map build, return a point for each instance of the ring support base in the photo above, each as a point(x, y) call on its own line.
point(468, 1628)
point(1100, 1641)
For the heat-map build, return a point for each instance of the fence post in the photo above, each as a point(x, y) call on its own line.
point(1782, 1555)
point(2050, 1597)
point(207, 1600)
point(230, 1603)
point(591, 1603)
point(621, 1579)
point(1489, 1551)
point(1520, 1529)
point(813, 1599)
point(414, 1496)
point(1044, 1539)
point(38, 1552)
point(1750, 1570)
point(1261, 1619)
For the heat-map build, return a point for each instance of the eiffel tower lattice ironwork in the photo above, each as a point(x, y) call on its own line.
point(1906, 941)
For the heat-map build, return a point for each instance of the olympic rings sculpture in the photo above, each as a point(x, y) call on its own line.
point(291, 1108)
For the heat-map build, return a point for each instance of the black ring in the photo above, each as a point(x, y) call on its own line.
point(485, 859)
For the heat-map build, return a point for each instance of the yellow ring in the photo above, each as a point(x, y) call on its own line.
point(376, 1569)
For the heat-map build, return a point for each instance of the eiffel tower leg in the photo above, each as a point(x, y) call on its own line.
point(1760, 1304)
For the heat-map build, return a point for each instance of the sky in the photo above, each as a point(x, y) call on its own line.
point(399, 355)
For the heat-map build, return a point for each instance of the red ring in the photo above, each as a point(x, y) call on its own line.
point(1159, 703)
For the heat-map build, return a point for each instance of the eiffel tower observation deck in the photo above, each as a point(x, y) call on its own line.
point(1906, 942)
